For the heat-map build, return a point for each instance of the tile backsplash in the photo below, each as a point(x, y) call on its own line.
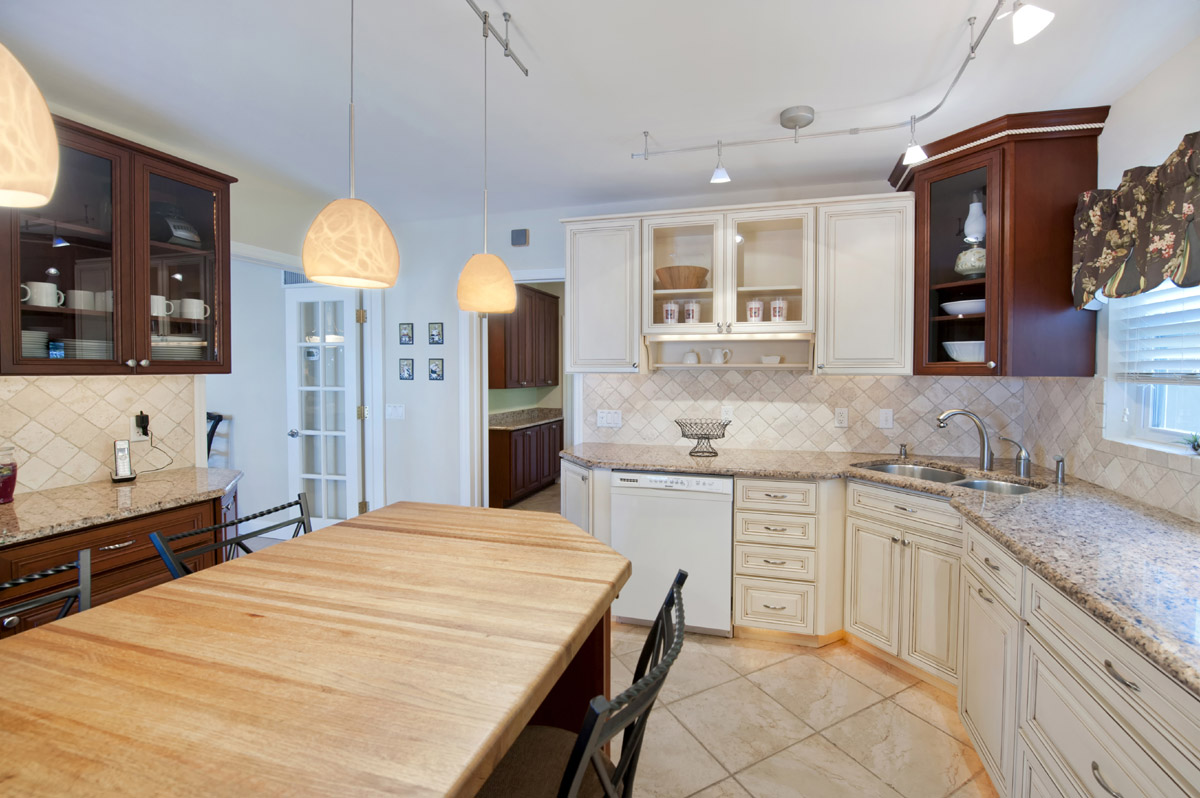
point(786, 410)
point(63, 428)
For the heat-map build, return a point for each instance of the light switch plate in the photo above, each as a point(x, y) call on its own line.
point(726, 413)
point(841, 417)
point(394, 412)
point(885, 418)
point(608, 418)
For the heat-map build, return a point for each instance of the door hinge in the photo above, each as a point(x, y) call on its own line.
point(360, 315)
point(361, 413)
point(363, 507)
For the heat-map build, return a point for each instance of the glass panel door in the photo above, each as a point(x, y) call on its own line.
point(66, 256)
point(771, 257)
point(683, 275)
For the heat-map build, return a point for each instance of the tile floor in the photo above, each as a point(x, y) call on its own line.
point(546, 500)
point(742, 718)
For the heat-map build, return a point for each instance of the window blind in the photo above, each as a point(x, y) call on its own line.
point(1154, 337)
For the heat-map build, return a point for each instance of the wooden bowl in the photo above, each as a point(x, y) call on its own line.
point(675, 277)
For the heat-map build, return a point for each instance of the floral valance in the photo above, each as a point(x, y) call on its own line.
point(1129, 240)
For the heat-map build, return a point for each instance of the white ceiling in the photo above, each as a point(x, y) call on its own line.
point(259, 87)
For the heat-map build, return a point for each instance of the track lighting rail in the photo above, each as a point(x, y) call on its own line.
point(486, 20)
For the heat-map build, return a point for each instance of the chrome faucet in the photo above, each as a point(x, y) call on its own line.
point(1022, 461)
point(985, 447)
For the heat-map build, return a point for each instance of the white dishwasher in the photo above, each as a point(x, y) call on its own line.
point(664, 522)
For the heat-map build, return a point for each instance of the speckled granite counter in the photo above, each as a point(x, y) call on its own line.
point(48, 512)
point(528, 417)
point(1133, 567)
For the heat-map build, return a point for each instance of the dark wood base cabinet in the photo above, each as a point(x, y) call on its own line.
point(522, 462)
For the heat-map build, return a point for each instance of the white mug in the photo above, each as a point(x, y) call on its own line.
point(44, 295)
point(160, 305)
point(81, 300)
point(691, 357)
point(194, 309)
point(104, 300)
point(718, 356)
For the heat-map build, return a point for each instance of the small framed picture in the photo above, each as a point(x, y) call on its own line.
point(437, 369)
point(435, 333)
point(406, 368)
point(406, 334)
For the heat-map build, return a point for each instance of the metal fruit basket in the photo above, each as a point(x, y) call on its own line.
point(702, 431)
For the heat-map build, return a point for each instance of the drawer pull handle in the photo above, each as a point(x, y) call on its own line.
point(902, 508)
point(11, 622)
point(116, 546)
point(987, 561)
point(774, 607)
point(776, 495)
point(1108, 666)
point(775, 528)
point(985, 596)
point(775, 562)
point(1103, 784)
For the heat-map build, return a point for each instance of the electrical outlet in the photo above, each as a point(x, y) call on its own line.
point(608, 418)
point(885, 418)
point(726, 413)
point(394, 412)
point(135, 434)
point(841, 417)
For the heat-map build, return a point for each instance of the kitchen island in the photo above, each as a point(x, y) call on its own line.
point(399, 652)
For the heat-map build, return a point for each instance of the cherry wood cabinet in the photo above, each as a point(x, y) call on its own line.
point(522, 461)
point(125, 270)
point(523, 348)
point(1026, 174)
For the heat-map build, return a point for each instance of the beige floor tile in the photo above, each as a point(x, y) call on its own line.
point(747, 656)
point(814, 768)
point(547, 500)
point(694, 671)
point(911, 755)
point(815, 691)
point(936, 706)
point(620, 677)
point(725, 789)
point(628, 638)
point(978, 787)
point(739, 724)
point(672, 763)
point(874, 673)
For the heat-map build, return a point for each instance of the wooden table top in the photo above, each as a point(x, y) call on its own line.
point(400, 652)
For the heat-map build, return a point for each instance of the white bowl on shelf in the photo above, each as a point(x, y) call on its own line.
point(964, 307)
point(771, 360)
point(965, 351)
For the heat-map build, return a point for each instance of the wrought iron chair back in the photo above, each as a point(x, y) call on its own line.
point(80, 593)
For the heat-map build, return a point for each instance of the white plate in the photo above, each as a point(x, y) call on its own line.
point(965, 351)
point(964, 307)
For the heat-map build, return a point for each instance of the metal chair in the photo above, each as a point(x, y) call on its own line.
point(233, 545)
point(80, 592)
point(530, 768)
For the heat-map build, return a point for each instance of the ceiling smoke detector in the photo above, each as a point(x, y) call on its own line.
point(797, 116)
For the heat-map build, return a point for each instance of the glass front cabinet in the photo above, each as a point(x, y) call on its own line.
point(125, 270)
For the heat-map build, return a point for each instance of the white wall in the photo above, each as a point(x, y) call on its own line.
point(1146, 124)
point(255, 392)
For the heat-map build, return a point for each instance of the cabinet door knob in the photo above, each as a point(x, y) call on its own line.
point(820, 365)
point(583, 478)
point(895, 540)
point(11, 622)
point(991, 364)
point(906, 543)
point(293, 433)
point(131, 363)
point(143, 363)
point(720, 324)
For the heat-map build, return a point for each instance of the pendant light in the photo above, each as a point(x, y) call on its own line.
point(485, 284)
point(28, 142)
point(1028, 21)
point(914, 153)
point(349, 244)
point(719, 174)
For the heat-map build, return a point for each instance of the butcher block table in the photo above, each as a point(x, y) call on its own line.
point(398, 653)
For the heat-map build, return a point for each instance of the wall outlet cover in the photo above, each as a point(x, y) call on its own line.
point(885, 418)
point(841, 417)
point(608, 418)
point(135, 434)
point(726, 413)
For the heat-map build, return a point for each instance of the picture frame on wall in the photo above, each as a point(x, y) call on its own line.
point(406, 334)
point(435, 333)
point(407, 372)
point(437, 369)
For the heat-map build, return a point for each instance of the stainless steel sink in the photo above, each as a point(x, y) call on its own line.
point(916, 472)
point(996, 486)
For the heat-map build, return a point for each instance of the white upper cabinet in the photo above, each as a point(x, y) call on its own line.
point(683, 274)
point(865, 287)
point(770, 257)
point(601, 331)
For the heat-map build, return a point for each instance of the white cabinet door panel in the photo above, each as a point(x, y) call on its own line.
point(601, 332)
point(576, 495)
point(873, 583)
point(930, 627)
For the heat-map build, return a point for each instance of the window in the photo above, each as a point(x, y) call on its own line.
point(1153, 389)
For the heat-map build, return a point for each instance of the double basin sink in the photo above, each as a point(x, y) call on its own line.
point(948, 477)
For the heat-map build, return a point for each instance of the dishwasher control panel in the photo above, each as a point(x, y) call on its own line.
point(679, 482)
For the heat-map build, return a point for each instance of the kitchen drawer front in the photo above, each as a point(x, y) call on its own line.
point(774, 561)
point(898, 506)
point(1096, 755)
point(775, 530)
point(775, 496)
point(1150, 703)
point(1032, 780)
point(772, 604)
point(994, 566)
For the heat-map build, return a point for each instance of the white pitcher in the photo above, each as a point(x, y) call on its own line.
point(718, 356)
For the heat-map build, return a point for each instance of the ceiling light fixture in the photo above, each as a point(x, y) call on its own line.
point(485, 284)
point(914, 153)
point(1028, 21)
point(28, 142)
point(349, 244)
point(719, 174)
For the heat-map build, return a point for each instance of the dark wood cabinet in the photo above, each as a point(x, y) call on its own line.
point(125, 270)
point(523, 348)
point(522, 461)
point(1024, 173)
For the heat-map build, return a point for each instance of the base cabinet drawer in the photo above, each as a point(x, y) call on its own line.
point(771, 604)
point(998, 569)
point(775, 530)
point(775, 496)
point(774, 561)
point(909, 509)
point(1031, 779)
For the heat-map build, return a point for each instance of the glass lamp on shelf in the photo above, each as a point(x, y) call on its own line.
point(972, 262)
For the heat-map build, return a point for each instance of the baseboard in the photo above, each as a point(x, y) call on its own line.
point(791, 638)
point(912, 670)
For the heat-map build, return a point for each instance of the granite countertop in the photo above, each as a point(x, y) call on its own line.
point(1133, 567)
point(520, 419)
point(42, 513)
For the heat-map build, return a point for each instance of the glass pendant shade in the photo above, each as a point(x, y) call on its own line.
point(914, 154)
point(975, 227)
point(349, 244)
point(486, 286)
point(28, 143)
point(1028, 21)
